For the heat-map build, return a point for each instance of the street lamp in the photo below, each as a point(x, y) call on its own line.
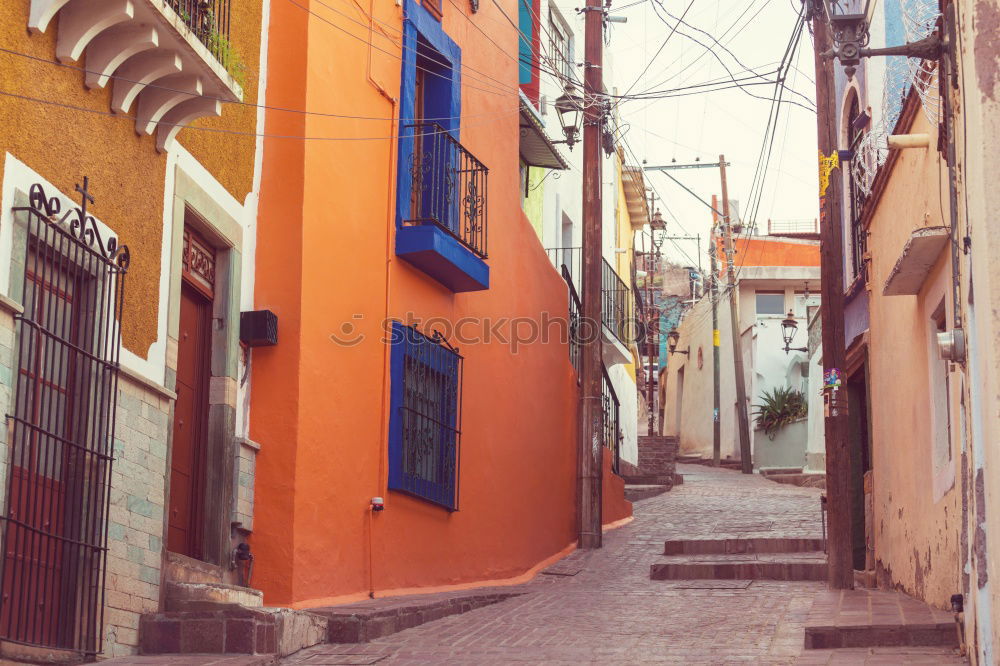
point(788, 330)
point(850, 21)
point(657, 223)
point(569, 106)
point(672, 338)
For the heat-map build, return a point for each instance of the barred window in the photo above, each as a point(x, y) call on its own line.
point(425, 420)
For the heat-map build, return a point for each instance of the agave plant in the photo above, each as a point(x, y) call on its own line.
point(779, 408)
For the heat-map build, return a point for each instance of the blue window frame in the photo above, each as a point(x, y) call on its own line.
point(425, 416)
point(441, 187)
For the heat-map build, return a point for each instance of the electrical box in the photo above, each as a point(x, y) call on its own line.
point(259, 328)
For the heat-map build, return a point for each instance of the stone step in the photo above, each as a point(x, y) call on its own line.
point(231, 630)
point(180, 596)
point(863, 618)
point(765, 566)
point(911, 656)
point(805, 480)
point(733, 546)
point(183, 569)
point(367, 620)
point(636, 491)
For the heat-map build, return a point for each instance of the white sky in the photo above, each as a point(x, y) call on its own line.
point(709, 124)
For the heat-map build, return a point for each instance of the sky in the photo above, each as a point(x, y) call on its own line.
point(705, 125)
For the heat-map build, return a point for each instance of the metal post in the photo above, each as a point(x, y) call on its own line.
point(838, 487)
point(742, 418)
point(592, 426)
point(716, 423)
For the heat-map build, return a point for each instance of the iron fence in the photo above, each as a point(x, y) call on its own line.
point(448, 186)
point(209, 21)
point(61, 427)
point(612, 428)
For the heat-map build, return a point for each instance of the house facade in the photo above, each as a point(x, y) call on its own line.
point(128, 208)
point(776, 275)
point(417, 422)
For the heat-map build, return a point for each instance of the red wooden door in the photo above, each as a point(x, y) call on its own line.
point(187, 464)
point(33, 553)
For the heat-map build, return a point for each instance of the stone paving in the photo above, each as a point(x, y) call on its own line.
point(609, 611)
point(604, 608)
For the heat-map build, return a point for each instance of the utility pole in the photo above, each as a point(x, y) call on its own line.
point(716, 423)
point(591, 413)
point(838, 488)
point(742, 418)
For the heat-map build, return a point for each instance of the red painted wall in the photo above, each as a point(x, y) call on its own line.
point(319, 409)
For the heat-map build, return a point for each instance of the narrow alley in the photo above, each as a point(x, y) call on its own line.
point(601, 606)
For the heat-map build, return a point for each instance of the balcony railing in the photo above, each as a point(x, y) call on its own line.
point(617, 301)
point(209, 21)
point(448, 186)
point(609, 399)
point(612, 429)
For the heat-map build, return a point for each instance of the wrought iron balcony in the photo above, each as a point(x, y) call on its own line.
point(617, 298)
point(448, 187)
point(612, 429)
point(209, 21)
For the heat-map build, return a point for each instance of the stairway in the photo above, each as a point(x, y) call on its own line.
point(741, 559)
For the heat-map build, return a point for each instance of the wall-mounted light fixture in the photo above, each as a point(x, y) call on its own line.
point(569, 106)
point(788, 329)
point(672, 338)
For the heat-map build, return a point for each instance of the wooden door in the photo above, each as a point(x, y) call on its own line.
point(32, 585)
point(187, 463)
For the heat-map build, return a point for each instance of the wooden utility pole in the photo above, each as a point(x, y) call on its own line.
point(742, 418)
point(838, 477)
point(716, 390)
point(591, 413)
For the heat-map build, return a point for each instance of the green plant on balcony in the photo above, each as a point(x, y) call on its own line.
point(780, 407)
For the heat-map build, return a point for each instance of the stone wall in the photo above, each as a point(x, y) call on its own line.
point(657, 461)
point(136, 517)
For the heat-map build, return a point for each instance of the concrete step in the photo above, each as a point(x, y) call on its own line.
point(367, 620)
point(748, 566)
point(805, 480)
point(231, 630)
point(180, 596)
point(863, 618)
point(911, 656)
point(184, 569)
point(734, 546)
point(636, 491)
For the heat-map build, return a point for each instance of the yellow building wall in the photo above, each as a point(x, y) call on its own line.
point(83, 138)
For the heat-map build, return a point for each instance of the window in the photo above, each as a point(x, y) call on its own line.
point(560, 47)
point(435, 7)
point(770, 303)
point(940, 398)
point(425, 420)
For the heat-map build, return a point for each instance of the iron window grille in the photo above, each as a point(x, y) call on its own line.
point(62, 427)
point(209, 21)
point(425, 427)
point(859, 241)
point(448, 186)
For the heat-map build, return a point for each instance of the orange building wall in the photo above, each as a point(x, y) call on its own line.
point(318, 409)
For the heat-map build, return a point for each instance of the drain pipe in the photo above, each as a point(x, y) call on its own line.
point(374, 506)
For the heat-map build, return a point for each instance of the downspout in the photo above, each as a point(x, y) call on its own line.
point(390, 223)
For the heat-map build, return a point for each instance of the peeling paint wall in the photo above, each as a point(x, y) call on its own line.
point(916, 501)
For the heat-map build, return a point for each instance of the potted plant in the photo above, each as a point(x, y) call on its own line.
point(780, 407)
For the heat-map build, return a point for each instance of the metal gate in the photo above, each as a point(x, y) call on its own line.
point(61, 426)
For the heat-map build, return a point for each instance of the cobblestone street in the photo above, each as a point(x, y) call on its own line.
point(603, 608)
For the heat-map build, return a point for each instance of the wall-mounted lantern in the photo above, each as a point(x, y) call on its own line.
point(657, 223)
point(788, 330)
point(672, 338)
